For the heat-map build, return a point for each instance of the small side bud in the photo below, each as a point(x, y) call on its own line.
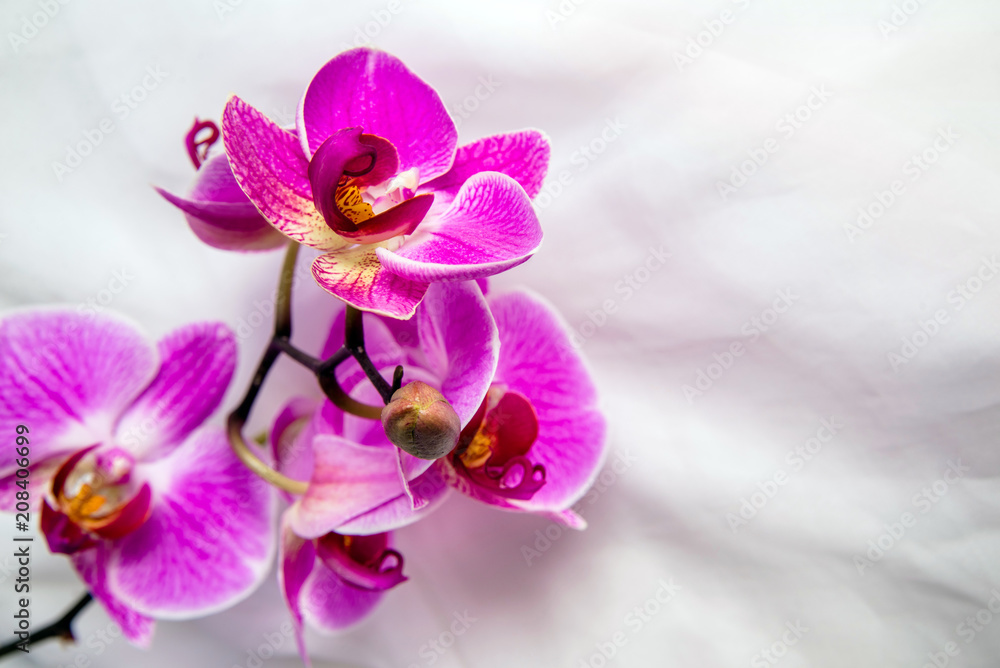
point(420, 421)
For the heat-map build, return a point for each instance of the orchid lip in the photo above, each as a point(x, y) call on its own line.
point(494, 446)
point(382, 571)
point(341, 168)
point(95, 498)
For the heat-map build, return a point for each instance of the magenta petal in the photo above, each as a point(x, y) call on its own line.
point(429, 490)
point(208, 541)
point(61, 535)
point(523, 156)
point(296, 560)
point(39, 477)
point(330, 604)
point(349, 480)
point(490, 227)
point(291, 438)
point(92, 565)
point(376, 92)
point(400, 220)
point(227, 226)
point(356, 276)
point(197, 365)
point(268, 164)
point(67, 377)
point(342, 154)
point(538, 361)
point(460, 343)
point(220, 214)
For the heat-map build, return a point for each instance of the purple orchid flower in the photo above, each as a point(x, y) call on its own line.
point(359, 482)
point(532, 440)
point(159, 517)
point(215, 208)
point(332, 581)
point(537, 441)
point(372, 178)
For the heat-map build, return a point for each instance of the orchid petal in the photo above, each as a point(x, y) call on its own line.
point(538, 361)
point(523, 156)
point(269, 166)
point(329, 603)
point(460, 344)
point(490, 227)
point(220, 214)
point(296, 560)
point(375, 91)
point(92, 565)
point(429, 489)
point(67, 377)
point(349, 479)
point(356, 276)
point(197, 365)
point(208, 541)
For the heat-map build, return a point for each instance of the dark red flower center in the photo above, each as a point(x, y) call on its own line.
point(365, 562)
point(493, 448)
point(95, 498)
point(357, 189)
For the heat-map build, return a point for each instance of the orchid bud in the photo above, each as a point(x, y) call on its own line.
point(420, 421)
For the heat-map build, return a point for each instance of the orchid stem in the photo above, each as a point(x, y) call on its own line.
point(354, 340)
point(325, 371)
point(61, 628)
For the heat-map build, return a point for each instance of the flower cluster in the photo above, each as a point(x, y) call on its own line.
point(167, 517)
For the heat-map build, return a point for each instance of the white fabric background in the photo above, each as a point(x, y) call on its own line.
point(682, 131)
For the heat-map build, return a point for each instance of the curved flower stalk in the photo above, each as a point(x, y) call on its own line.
point(158, 516)
point(215, 208)
point(372, 178)
point(532, 440)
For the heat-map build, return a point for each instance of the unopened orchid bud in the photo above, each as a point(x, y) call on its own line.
point(420, 421)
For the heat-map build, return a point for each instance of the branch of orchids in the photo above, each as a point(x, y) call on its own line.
point(325, 371)
point(61, 628)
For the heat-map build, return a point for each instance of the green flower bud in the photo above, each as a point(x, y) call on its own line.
point(420, 421)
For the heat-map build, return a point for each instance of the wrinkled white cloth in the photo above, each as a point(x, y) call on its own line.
point(773, 226)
